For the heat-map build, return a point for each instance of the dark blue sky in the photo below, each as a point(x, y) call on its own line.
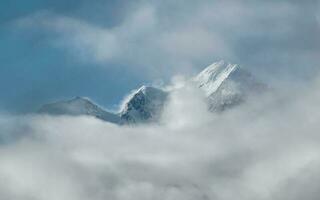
point(103, 49)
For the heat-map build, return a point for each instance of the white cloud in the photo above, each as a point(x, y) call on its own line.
point(144, 39)
point(166, 37)
point(266, 149)
point(88, 42)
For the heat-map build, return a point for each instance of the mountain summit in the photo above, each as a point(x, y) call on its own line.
point(145, 104)
point(225, 86)
point(79, 106)
point(211, 78)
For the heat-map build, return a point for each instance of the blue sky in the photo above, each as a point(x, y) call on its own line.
point(33, 72)
point(103, 49)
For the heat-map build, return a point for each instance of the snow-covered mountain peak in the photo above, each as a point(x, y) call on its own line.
point(145, 104)
point(141, 91)
point(227, 85)
point(146, 89)
point(80, 100)
point(78, 106)
point(75, 106)
point(213, 76)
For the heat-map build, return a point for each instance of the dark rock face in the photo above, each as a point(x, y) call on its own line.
point(145, 105)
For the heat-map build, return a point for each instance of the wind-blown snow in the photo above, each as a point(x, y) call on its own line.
point(227, 85)
point(211, 78)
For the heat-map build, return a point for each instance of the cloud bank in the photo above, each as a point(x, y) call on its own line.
point(266, 149)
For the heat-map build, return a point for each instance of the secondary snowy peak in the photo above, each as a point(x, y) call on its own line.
point(227, 85)
point(145, 104)
point(211, 78)
point(79, 106)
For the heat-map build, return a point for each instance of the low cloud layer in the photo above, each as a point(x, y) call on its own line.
point(266, 149)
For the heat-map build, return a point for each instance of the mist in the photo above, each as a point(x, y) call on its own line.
point(267, 148)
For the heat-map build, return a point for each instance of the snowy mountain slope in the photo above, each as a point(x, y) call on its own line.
point(227, 85)
point(79, 106)
point(144, 105)
point(213, 76)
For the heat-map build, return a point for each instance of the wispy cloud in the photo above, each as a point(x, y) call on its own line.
point(141, 40)
point(168, 36)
